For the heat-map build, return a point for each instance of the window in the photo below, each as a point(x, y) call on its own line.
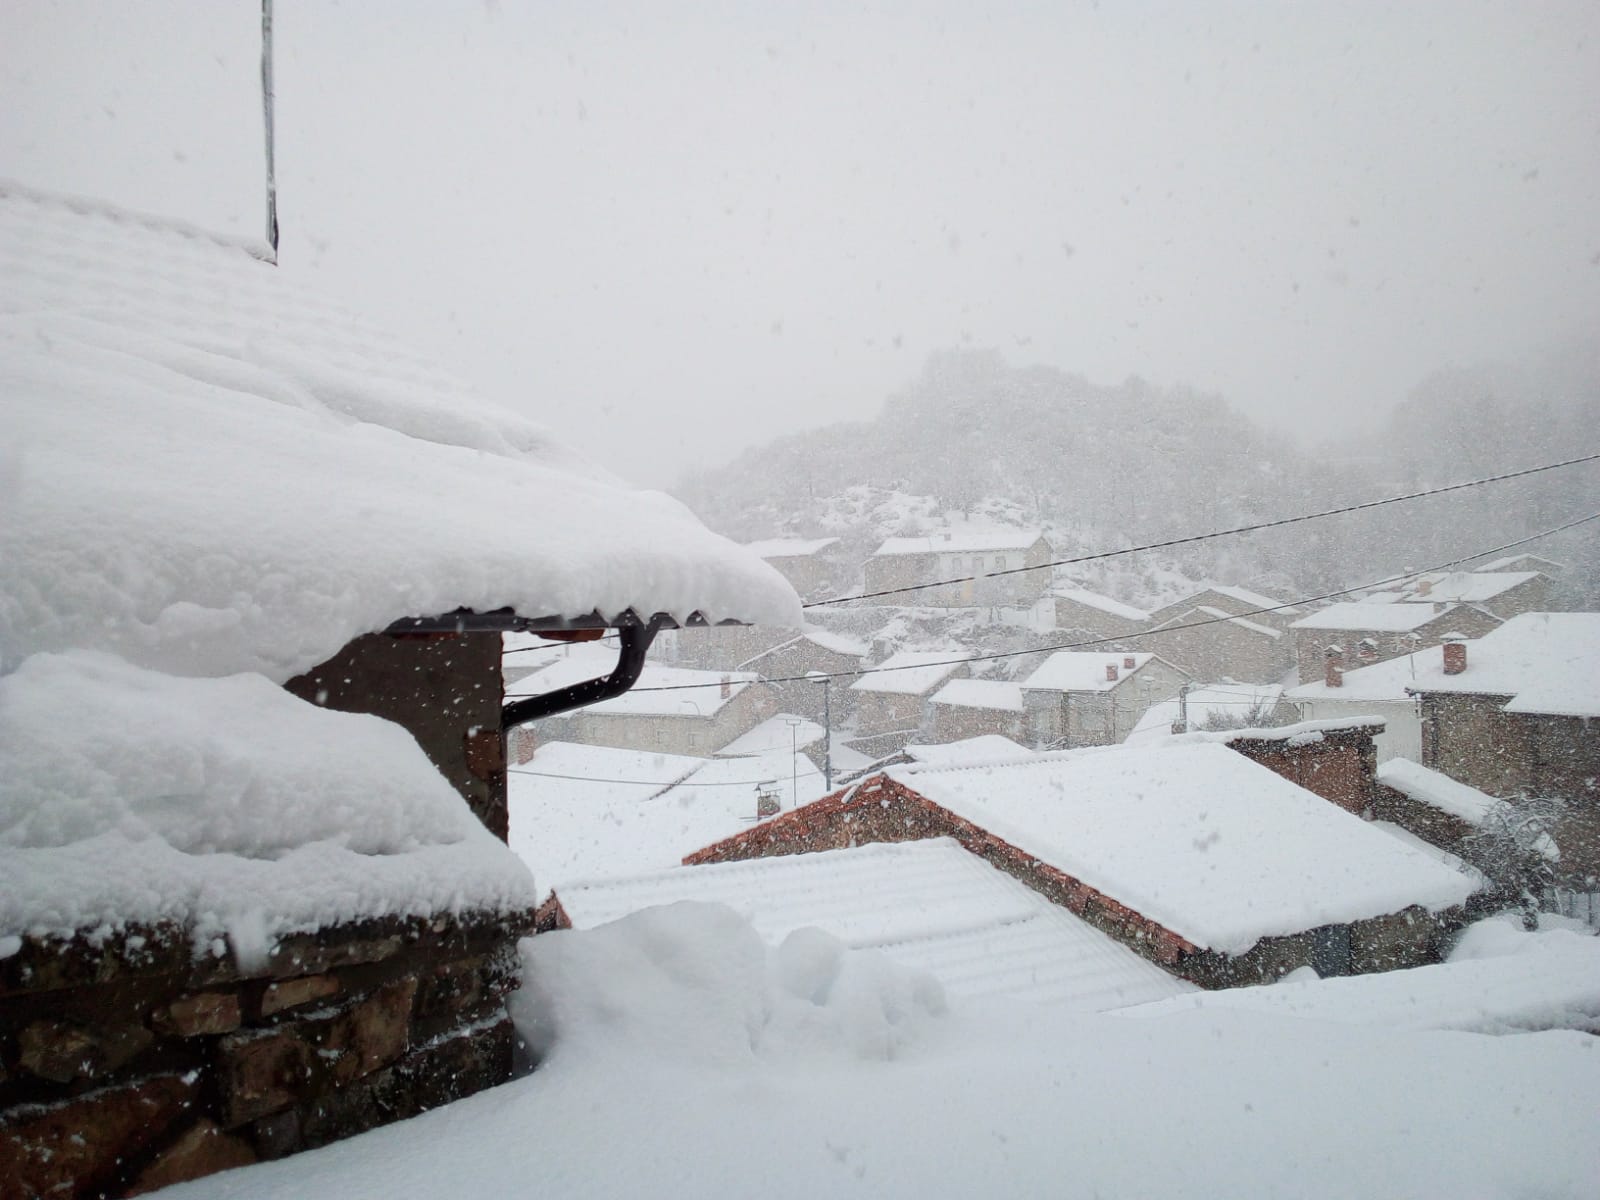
point(1000, 562)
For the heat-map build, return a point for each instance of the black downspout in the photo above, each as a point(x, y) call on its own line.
point(635, 641)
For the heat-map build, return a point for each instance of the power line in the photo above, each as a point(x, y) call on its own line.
point(1203, 537)
point(686, 781)
point(1133, 637)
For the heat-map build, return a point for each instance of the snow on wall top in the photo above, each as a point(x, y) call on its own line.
point(1104, 603)
point(1224, 700)
point(684, 692)
point(911, 672)
point(927, 904)
point(968, 541)
point(209, 470)
point(1467, 587)
point(1082, 671)
point(1545, 662)
point(227, 806)
point(1195, 837)
point(1381, 618)
point(980, 693)
point(1436, 789)
point(789, 547)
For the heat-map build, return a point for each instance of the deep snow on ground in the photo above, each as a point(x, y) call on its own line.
point(684, 1057)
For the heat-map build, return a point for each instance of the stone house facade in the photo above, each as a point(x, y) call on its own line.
point(1082, 698)
point(1079, 608)
point(967, 708)
point(811, 565)
point(814, 652)
point(1367, 633)
point(908, 562)
point(1236, 602)
point(1212, 645)
point(700, 724)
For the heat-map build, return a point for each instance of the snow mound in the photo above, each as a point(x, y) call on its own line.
point(695, 982)
point(226, 805)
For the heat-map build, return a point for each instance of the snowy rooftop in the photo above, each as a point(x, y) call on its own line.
point(1380, 618)
point(211, 471)
point(789, 547)
point(1082, 671)
point(1206, 701)
point(591, 811)
point(1205, 612)
point(781, 732)
point(1468, 587)
point(659, 692)
point(1436, 789)
point(1385, 682)
point(1545, 662)
point(1196, 837)
point(1523, 562)
point(1254, 599)
point(962, 541)
point(927, 904)
point(980, 693)
point(1104, 603)
point(911, 672)
point(226, 806)
point(985, 748)
point(837, 642)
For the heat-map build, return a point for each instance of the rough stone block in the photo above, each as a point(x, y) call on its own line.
point(263, 1073)
point(202, 1149)
point(62, 1051)
point(199, 1015)
point(75, 1148)
point(291, 993)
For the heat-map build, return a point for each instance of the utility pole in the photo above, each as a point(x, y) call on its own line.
point(266, 113)
point(1181, 725)
point(827, 736)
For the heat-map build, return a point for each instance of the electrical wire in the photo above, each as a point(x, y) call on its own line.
point(1134, 637)
point(686, 781)
point(1216, 533)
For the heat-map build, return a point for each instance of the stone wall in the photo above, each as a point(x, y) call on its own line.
point(130, 1065)
point(1337, 764)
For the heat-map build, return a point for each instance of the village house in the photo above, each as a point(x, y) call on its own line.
point(966, 708)
point(1513, 714)
point(811, 565)
point(1505, 594)
point(672, 710)
point(1362, 632)
point(1079, 608)
point(965, 555)
point(1549, 568)
point(265, 904)
point(892, 697)
point(1209, 643)
point(1087, 698)
point(1212, 866)
point(928, 905)
point(1379, 691)
point(812, 672)
point(1236, 602)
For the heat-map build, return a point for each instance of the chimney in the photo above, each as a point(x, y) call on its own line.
point(1332, 668)
point(1455, 654)
point(1111, 672)
point(1367, 651)
point(727, 686)
point(1424, 586)
point(1127, 662)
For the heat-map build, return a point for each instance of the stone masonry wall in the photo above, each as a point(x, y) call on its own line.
point(131, 1065)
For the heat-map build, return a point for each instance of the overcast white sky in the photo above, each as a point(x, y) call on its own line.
point(674, 230)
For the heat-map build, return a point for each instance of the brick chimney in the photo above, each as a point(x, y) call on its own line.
point(727, 686)
point(1333, 666)
point(1111, 672)
point(1455, 654)
point(1127, 662)
point(1424, 586)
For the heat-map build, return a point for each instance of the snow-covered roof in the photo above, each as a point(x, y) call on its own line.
point(789, 547)
point(1437, 790)
point(1522, 561)
point(1194, 836)
point(1205, 612)
point(1384, 682)
point(980, 693)
point(986, 747)
point(1469, 587)
point(1554, 984)
point(1082, 671)
point(659, 691)
point(1545, 662)
point(590, 811)
point(1104, 603)
point(837, 642)
point(1379, 618)
point(1253, 599)
point(1205, 701)
point(209, 470)
point(911, 672)
point(927, 904)
point(774, 734)
point(961, 541)
point(228, 807)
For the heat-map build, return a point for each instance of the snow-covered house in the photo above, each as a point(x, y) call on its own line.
point(1080, 608)
point(999, 566)
point(968, 708)
point(256, 547)
point(1513, 713)
point(1206, 863)
point(671, 710)
point(1506, 594)
point(928, 905)
point(1211, 643)
point(797, 665)
point(1378, 691)
point(1236, 602)
point(1357, 633)
point(809, 564)
point(1088, 698)
point(890, 698)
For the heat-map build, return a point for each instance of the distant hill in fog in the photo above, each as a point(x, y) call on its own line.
point(1104, 466)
